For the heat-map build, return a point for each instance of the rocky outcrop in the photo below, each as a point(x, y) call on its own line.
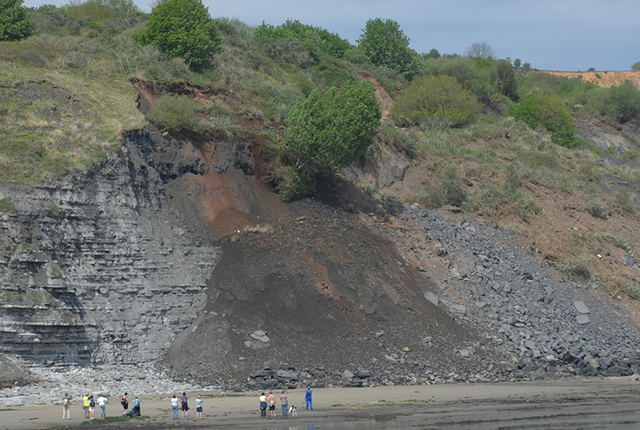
point(96, 268)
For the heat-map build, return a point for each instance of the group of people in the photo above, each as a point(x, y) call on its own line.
point(124, 401)
point(184, 403)
point(88, 404)
point(270, 403)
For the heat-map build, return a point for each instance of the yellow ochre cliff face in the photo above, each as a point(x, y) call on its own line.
point(604, 79)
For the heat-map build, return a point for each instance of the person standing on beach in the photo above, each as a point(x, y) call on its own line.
point(124, 401)
point(272, 404)
point(199, 407)
point(284, 401)
point(174, 407)
point(263, 405)
point(185, 405)
point(92, 407)
point(66, 407)
point(85, 406)
point(136, 406)
point(102, 403)
point(307, 398)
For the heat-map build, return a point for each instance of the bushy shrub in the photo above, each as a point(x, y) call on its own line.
point(575, 268)
point(547, 111)
point(355, 55)
point(332, 127)
point(176, 113)
point(328, 42)
point(447, 191)
point(182, 28)
point(290, 184)
point(597, 211)
point(623, 103)
point(436, 96)
point(479, 77)
point(626, 201)
point(289, 51)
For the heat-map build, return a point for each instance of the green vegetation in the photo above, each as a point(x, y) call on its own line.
point(7, 207)
point(636, 66)
point(488, 80)
point(184, 29)
point(437, 96)
point(575, 268)
point(330, 43)
point(384, 44)
point(616, 105)
point(67, 99)
point(549, 112)
point(177, 113)
point(332, 128)
point(15, 23)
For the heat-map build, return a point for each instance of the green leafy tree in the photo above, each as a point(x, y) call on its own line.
point(333, 127)
point(432, 54)
point(506, 83)
point(548, 111)
point(182, 28)
point(435, 96)
point(636, 67)
point(385, 44)
point(15, 23)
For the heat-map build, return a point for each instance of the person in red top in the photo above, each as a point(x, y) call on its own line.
point(271, 400)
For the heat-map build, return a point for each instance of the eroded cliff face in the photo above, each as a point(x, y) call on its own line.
point(96, 268)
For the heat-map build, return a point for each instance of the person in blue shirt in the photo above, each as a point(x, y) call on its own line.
point(307, 398)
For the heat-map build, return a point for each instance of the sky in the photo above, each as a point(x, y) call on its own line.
point(565, 35)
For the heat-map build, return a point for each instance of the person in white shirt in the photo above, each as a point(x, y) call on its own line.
point(102, 402)
point(199, 408)
point(174, 407)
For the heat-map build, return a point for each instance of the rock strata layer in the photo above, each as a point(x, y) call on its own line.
point(94, 268)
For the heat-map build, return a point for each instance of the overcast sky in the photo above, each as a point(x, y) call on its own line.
point(567, 35)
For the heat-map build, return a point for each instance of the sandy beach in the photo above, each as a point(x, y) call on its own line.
point(439, 406)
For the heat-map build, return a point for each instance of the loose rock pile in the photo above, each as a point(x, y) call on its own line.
point(110, 381)
point(542, 325)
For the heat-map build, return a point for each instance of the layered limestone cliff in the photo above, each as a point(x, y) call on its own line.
point(95, 268)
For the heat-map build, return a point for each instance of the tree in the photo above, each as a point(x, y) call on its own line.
point(480, 50)
point(432, 54)
point(332, 127)
point(385, 44)
point(636, 66)
point(435, 96)
point(15, 23)
point(506, 83)
point(182, 28)
point(548, 111)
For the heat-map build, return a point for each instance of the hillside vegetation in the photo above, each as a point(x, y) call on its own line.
point(488, 135)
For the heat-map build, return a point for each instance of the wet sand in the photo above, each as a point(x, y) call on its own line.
point(596, 403)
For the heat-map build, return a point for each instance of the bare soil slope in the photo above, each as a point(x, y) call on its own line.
point(604, 79)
